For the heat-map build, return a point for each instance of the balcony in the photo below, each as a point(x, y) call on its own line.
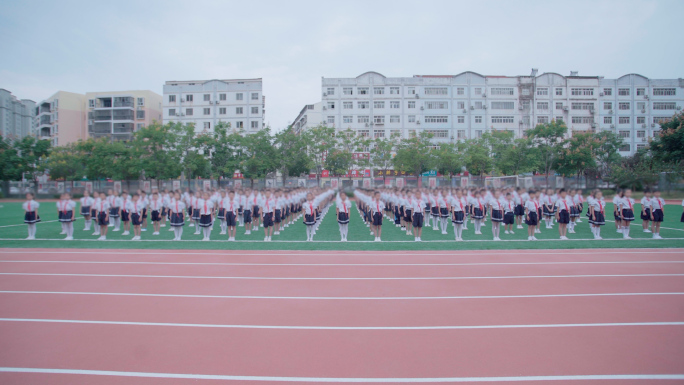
point(123, 128)
point(44, 120)
point(126, 102)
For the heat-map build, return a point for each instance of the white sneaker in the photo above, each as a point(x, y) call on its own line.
point(116, 229)
point(511, 232)
point(100, 238)
point(520, 226)
point(162, 225)
point(126, 233)
point(578, 220)
point(444, 233)
point(265, 239)
point(537, 231)
point(145, 229)
point(110, 225)
point(647, 231)
point(96, 233)
point(69, 238)
point(104, 238)
point(655, 236)
point(192, 225)
point(248, 232)
point(627, 237)
point(155, 233)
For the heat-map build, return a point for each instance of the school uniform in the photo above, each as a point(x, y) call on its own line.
point(433, 208)
point(114, 206)
point(66, 210)
point(177, 210)
point(497, 210)
point(418, 207)
point(309, 213)
point(135, 210)
point(196, 208)
point(93, 209)
point(598, 207)
point(86, 205)
point(532, 217)
point(156, 210)
point(547, 208)
point(408, 208)
point(442, 204)
point(204, 209)
point(616, 207)
point(145, 201)
point(343, 205)
point(165, 205)
point(221, 212)
point(658, 209)
point(563, 208)
point(279, 212)
point(627, 209)
point(267, 206)
point(230, 207)
point(646, 209)
point(188, 203)
point(254, 203)
point(579, 202)
point(125, 213)
point(377, 207)
point(509, 208)
point(457, 210)
point(478, 208)
point(520, 204)
point(102, 210)
point(30, 208)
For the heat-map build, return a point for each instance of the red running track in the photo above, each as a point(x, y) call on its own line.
point(80, 316)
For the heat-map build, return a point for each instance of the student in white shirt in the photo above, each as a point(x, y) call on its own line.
point(418, 212)
point(31, 216)
point(376, 207)
point(562, 209)
point(231, 206)
point(509, 213)
point(65, 209)
point(267, 206)
point(657, 213)
point(86, 206)
point(135, 209)
point(532, 211)
point(496, 208)
point(125, 214)
point(646, 210)
point(206, 214)
point(443, 207)
point(177, 210)
point(156, 212)
point(597, 214)
point(626, 212)
point(343, 205)
point(102, 219)
point(457, 214)
point(616, 210)
point(309, 216)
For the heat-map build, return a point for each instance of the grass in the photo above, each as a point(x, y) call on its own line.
point(13, 232)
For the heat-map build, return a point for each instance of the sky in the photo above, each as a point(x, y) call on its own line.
point(82, 46)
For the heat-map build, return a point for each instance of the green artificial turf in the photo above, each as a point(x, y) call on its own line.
point(13, 232)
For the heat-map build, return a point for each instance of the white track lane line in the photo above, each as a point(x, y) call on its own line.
point(597, 377)
point(24, 224)
point(386, 242)
point(336, 298)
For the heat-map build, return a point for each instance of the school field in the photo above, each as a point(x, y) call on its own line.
point(13, 232)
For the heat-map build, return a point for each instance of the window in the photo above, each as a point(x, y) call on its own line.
point(411, 90)
point(503, 105)
point(582, 91)
point(659, 119)
point(331, 105)
point(559, 105)
point(542, 105)
point(478, 119)
point(188, 111)
point(438, 133)
point(364, 133)
point(607, 105)
point(172, 98)
point(664, 91)
point(347, 119)
point(141, 102)
point(607, 91)
point(641, 91)
point(347, 105)
point(478, 91)
point(641, 120)
point(436, 119)
point(624, 105)
point(222, 96)
point(664, 106)
point(526, 104)
point(330, 91)
point(437, 105)
point(624, 148)
point(378, 90)
point(238, 96)
point(559, 118)
point(255, 96)
point(411, 104)
point(363, 105)
point(394, 104)
point(379, 119)
point(91, 103)
point(362, 119)
point(623, 91)
point(542, 119)
point(412, 118)
point(139, 126)
point(189, 98)
point(255, 110)
point(347, 91)
point(478, 105)
point(378, 133)
point(207, 125)
point(395, 133)
point(172, 112)
point(395, 119)
point(641, 146)
point(222, 111)
point(501, 91)
point(582, 106)
point(607, 120)
point(460, 134)
point(582, 119)
point(140, 114)
point(623, 120)
point(478, 133)
point(504, 119)
point(559, 92)
point(460, 91)
point(238, 110)
point(207, 111)
point(641, 134)
point(460, 105)
point(363, 90)
point(207, 97)
point(624, 134)
point(542, 91)
point(641, 105)
point(436, 90)
point(526, 92)
point(379, 104)
point(255, 124)
point(331, 120)
point(394, 90)
point(461, 119)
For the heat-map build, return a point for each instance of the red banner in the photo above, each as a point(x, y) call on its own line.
point(238, 175)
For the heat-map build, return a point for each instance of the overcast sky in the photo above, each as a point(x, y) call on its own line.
point(80, 46)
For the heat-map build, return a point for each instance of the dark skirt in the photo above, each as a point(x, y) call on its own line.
point(443, 212)
point(85, 210)
point(136, 219)
point(195, 214)
point(600, 219)
point(66, 216)
point(497, 215)
point(342, 218)
point(478, 213)
point(221, 213)
point(646, 215)
point(102, 219)
point(93, 212)
point(205, 220)
point(31, 217)
point(457, 217)
point(268, 220)
point(407, 215)
point(574, 212)
point(532, 219)
point(255, 211)
point(114, 212)
point(144, 214)
point(177, 219)
point(627, 215)
point(125, 216)
point(155, 216)
point(563, 216)
point(509, 218)
point(548, 212)
point(658, 215)
point(309, 219)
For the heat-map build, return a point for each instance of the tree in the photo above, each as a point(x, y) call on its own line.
point(668, 146)
point(637, 171)
point(66, 162)
point(382, 153)
point(547, 139)
point(153, 147)
point(587, 153)
point(321, 141)
point(413, 154)
point(291, 153)
point(259, 156)
point(477, 156)
point(338, 162)
point(10, 161)
point(448, 159)
point(31, 152)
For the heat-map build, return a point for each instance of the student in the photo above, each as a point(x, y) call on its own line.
point(279, 212)
point(579, 203)
point(616, 210)
point(646, 210)
point(376, 208)
point(205, 209)
point(309, 216)
point(443, 206)
point(657, 213)
point(86, 207)
point(457, 214)
point(31, 216)
point(343, 204)
point(188, 198)
point(135, 208)
point(256, 213)
point(93, 213)
point(145, 200)
point(418, 212)
point(520, 197)
point(114, 210)
point(230, 207)
point(574, 212)
point(247, 212)
point(510, 208)
point(477, 211)
point(548, 207)
point(166, 199)
point(156, 206)
point(408, 210)
point(496, 208)
point(597, 213)
point(221, 212)
point(125, 213)
point(532, 215)
point(196, 198)
point(103, 216)
point(177, 209)
point(434, 209)
point(65, 209)
point(267, 205)
point(562, 214)
point(626, 205)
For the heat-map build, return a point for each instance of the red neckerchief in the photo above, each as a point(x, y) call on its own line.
point(629, 202)
point(536, 205)
point(64, 207)
point(565, 203)
point(205, 206)
point(135, 207)
point(176, 206)
point(101, 205)
point(29, 206)
point(344, 207)
point(600, 206)
point(479, 203)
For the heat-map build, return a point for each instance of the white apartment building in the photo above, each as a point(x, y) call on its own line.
point(205, 103)
point(458, 107)
point(17, 116)
point(310, 116)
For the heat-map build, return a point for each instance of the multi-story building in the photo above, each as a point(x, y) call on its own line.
point(117, 115)
point(463, 106)
point(61, 118)
point(16, 116)
point(205, 103)
point(310, 116)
